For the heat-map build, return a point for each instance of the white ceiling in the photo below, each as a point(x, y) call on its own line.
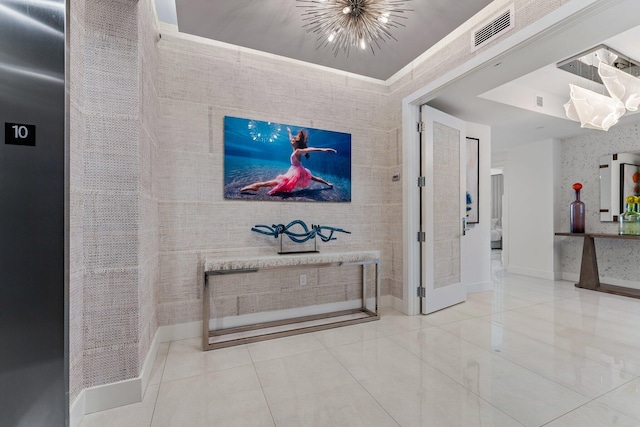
point(551, 85)
point(504, 96)
point(486, 95)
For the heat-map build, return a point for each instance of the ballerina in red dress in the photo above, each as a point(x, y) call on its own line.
point(297, 176)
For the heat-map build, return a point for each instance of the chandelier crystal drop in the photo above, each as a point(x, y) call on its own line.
point(345, 24)
point(593, 110)
point(621, 85)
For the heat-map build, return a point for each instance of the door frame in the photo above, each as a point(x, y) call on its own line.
point(545, 31)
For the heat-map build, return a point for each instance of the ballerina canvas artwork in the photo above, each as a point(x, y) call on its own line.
point(273, 161)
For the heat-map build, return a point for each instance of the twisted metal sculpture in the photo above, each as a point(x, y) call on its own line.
point(277, 230)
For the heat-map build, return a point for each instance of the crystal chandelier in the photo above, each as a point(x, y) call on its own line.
point(593, 110)
point(343, 24)
point(605, 66)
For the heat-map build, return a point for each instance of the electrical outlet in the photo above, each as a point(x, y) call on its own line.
point(303, 279)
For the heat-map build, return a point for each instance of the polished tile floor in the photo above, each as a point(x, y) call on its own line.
point(533, 352)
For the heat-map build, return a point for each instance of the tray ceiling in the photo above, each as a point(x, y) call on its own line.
point(276, 26)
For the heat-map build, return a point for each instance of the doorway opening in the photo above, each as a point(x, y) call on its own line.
point(568, 30)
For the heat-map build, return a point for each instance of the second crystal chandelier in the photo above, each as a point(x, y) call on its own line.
point(362, 24)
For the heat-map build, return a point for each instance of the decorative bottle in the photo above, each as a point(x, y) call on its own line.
point(636, 225)
point(629, 221)
point(576, 211)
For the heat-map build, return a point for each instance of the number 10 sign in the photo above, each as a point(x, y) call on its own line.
point(20, 134)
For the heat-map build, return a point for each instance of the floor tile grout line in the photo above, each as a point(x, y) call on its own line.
point(543, 376)
point(568, 412)
point(456, 381)
point(164, 365)
point(361, 385)
point(389, 338)
point(209, 372)
point(155, 404)
point(466, 388)
point(280, 357)
point(585, 302)
point(634, 417)
point(264, 395)
point(522, 366)
point(541, 342)
point(478, 395)
point(484, 318)
point(347, 343)
point(421, 361)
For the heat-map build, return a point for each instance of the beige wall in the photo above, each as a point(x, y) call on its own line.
point(200, 83)
point(113, 242)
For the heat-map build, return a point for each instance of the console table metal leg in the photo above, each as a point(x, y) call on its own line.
point(205, 314)
point(364, 286)
point(378, 285)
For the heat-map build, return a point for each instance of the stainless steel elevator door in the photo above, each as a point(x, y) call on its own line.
point(33, 366)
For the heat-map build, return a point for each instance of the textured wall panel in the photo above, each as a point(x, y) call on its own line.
point(106, 365)
point(148, 277)
point(198, 85)
point(114, 213)
point(76, 198)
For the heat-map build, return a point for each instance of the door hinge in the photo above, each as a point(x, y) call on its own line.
point(420, 126)
point(422, 236)
point(422, 181)
point(421, 292)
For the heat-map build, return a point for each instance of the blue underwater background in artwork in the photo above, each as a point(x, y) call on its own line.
point(259, 151)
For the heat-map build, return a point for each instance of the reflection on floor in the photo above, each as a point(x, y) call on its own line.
point(532, 352)
point(497, 271)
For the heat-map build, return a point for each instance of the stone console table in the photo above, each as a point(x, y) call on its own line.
point(219, 338)
point(589, 276)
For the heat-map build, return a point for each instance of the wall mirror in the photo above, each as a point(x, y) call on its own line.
point(619, 178)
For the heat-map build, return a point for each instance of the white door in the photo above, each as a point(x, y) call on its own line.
point(443, 209)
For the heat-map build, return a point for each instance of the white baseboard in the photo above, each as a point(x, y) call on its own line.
point(571, 277)
point(385, 301)
point(76, 411)
point(393, 302)
point(474, 288)
point(121, 393)
point(112, 395)
point(126, 392)
point(179, 332)
point(541, 274)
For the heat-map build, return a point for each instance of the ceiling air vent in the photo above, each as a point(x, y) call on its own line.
point(501, 22)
